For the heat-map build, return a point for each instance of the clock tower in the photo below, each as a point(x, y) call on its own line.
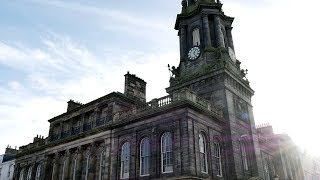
point(209, 67)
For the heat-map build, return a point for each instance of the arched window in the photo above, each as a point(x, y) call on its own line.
point(38, 172)
point(21, 176)
point(144, 157)
point(166, 153)
point(217, 158)
point(196, 37)
point(29, 174)
point(102, 165)
point(87, 166)
point(203, 153)
point(244, 155)
point(125, 161)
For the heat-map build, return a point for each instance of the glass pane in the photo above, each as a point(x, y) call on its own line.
point(125, 160)
point(196, 37)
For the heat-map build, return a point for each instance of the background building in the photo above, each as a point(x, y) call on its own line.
point(280, 156)
point(203, 129)
point(311, 166)
point(7, 163)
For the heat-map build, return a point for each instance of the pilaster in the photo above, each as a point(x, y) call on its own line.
point(207, 36)
point(219, 33)
point(183, 41)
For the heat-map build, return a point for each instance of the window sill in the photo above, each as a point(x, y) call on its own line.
point(144, 175)
point(167, 172)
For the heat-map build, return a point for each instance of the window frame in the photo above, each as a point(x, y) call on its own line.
point(63, 169)
point(203, 142)
point(74, 168)
point(102, 164)
point(193, 42)
point(38, 172)
point(145, 155)
point(88, 157)
point(244, 155)
point(217, 157)
point(170, 152)
point(29, 173)
point(9, 172)
point(21, 175)
point(125, 161)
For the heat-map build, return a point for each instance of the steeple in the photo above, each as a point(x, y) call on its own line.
point(209, 67)
point(206, 42)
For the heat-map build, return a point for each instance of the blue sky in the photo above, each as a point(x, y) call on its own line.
point(52, 51)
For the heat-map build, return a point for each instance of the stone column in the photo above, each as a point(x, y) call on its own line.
point(183, 41)
point(219, 33)
point(229, 36)
point(207, 37)
point(55, 168)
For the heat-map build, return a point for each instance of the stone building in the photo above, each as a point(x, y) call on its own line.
point(311, 166)
point(280, 156)
point(203, 129)
point(7, 163)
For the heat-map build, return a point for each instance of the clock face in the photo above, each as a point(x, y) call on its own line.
point(232, 55)
point(194, 53)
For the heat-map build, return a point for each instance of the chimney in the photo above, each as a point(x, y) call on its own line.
point(135, 87)
point(73, 105)
point(265, 129)
point(10, 151)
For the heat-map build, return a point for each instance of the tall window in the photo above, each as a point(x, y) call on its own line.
point(38, 172)
point(266, 169)
point(87, 166)
point(74, 170)
point(21, 176)
point(102, 165)
point(63, 169)
point(244, 155)
point(217, 158)
point(125, 161)
point(144, 157)
point(203, 153)
point(11, 169)
point(29, 174)
point(196, 37)
point(166, 153)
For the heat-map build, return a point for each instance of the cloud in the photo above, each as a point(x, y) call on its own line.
point(62, 69)
point(121, 17)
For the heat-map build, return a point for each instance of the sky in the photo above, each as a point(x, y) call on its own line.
point(52, 51)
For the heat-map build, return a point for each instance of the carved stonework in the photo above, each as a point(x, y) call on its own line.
point(240, 109)
point(238, 87)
